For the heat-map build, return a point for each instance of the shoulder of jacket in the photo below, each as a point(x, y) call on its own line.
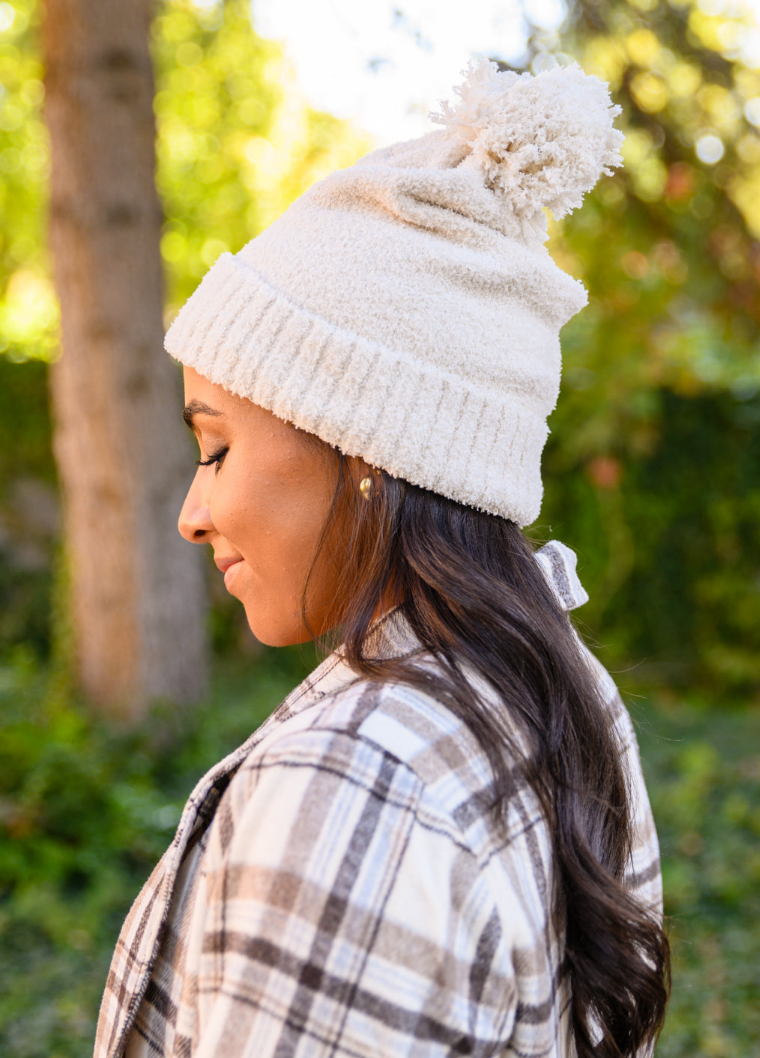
point(385, 719)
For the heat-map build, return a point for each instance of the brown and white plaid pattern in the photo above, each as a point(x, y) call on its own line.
point(336, 887)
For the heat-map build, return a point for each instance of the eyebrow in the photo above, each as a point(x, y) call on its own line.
point(197, 407)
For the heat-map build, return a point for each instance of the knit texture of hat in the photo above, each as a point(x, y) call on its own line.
point(406, 309)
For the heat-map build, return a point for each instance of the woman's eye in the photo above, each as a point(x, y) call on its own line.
point(215, 457)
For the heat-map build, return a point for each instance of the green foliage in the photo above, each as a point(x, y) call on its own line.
point(85, 813)
point(236, 141)
point(652, 470)
point(28, 308)
point(669, 541)
point(26, 552)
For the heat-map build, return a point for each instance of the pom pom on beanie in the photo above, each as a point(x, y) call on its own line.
point(541, 141)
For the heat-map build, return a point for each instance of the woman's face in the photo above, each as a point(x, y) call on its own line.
point(261, 503)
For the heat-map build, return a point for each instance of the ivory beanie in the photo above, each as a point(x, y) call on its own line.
point(406, 309)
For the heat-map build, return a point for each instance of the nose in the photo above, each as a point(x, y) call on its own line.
point(195, 522)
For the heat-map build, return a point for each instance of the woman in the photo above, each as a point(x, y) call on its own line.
point(440, 843)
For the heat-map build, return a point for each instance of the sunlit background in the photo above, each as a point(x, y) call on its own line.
point(384, 65)
point(652, 470)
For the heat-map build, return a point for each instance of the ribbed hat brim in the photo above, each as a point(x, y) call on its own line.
point(241, 333)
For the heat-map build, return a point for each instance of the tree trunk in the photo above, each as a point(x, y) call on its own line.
point(138, 595)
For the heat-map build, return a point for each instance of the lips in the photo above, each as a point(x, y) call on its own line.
point(223, 564)
point(229, 566)
point(230, 574)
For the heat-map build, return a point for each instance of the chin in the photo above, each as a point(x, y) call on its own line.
point(277, 632)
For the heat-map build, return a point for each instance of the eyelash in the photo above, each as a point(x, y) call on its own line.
point(217, 458)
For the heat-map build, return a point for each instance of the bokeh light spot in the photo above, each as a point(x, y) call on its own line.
point(33, 92)
point(548, 14)
point(173, 246)
point(650, 92)
point(709, 148)
point(634, 264)
point(752, 110)
point(212, 248)
point(7, 17)
point(189, 53)
point(605, 472)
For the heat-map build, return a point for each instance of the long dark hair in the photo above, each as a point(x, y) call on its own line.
point(473, 594)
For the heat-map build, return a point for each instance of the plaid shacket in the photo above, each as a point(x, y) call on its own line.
point(337, 887)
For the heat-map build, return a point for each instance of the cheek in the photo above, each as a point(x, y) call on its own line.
point(274, 521)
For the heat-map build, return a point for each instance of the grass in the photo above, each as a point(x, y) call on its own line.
point(85, 811)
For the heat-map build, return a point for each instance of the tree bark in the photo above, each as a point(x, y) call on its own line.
point(124, 462)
